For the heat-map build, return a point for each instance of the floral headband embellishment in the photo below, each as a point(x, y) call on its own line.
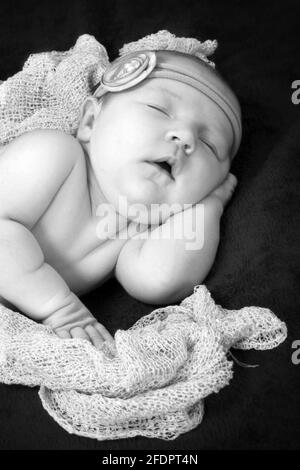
point(126, 72)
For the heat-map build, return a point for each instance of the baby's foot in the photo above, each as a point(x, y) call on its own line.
point(226, 189)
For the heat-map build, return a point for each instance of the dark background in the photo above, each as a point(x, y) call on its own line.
point(258, 258)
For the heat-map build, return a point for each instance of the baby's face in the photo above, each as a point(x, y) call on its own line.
point(159, 120)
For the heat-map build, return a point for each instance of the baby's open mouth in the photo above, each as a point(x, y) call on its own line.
point(165, 166)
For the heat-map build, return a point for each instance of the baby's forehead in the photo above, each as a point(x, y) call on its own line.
point(170, 88)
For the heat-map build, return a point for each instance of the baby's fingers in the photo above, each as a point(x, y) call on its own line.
point(78, 332)
point(95, 336)
point(104, 332)
point(64, 334)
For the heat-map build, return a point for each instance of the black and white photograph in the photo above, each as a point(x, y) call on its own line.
point(149, 228)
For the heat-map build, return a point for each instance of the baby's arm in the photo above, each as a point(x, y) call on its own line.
point(32, 170)
point(165, 270)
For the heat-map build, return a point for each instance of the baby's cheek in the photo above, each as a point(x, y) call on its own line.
point(138, 190)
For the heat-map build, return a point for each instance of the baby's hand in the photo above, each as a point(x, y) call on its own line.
point(95, 333)
point(74, 320)
point(226, 189)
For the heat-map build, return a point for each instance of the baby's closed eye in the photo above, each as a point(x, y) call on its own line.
point(159, 109)
point(211, 146)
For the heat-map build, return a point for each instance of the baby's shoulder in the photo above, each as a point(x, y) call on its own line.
point(43, 143)
point(36, 163)
point(42, 151)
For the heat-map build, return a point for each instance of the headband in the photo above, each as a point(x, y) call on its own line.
point(130, 69)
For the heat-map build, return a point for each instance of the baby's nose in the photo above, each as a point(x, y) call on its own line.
point(184, 138)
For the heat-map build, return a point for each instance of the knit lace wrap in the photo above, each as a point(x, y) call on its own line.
point(49, 91)
point(152, 384)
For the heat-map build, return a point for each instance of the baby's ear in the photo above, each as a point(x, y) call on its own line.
point(88, 115)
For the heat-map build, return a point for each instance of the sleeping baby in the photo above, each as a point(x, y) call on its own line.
point(148, 170)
